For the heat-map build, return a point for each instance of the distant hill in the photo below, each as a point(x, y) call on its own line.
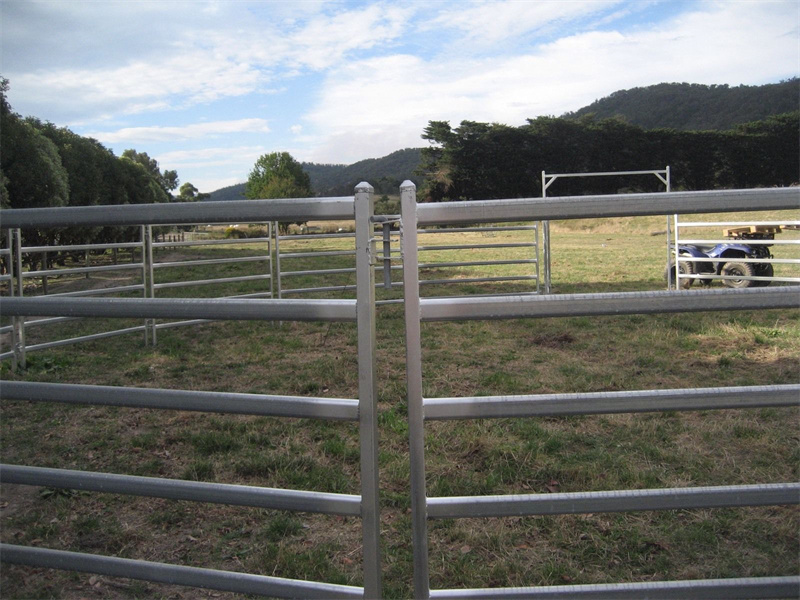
point(682, 106)
point(692, 106)
point(384, 174)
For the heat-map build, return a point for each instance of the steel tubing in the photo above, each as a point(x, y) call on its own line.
point(611, 402)
point(345, 409)
point(192, 282)
point(618, 303)
point(72, 270)
point(233, 211)
point(452, 507)
point(178, 489)
point(591, 207)
point(705, 589)
point(210, 261)
point(83, 338)
point(183, 308)
point(230, 581)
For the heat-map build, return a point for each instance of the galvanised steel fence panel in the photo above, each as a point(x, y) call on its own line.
point(152, 265)
point(363, 409)
point(532, 259)
point(8, 276)
point(420, 409)
point(706, 270)
point(549, 179)
point(281, 257)
point(17, 251)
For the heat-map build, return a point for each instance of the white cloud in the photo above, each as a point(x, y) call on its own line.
point(210, 157)
point(374, 106)
point(487, 23)
point(185, 132)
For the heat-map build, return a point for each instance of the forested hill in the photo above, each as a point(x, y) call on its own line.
point(692, 106)
point(384, 174)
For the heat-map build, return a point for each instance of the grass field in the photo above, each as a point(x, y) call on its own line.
point(472, 457)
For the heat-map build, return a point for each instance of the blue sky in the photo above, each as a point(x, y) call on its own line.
point(207, 87)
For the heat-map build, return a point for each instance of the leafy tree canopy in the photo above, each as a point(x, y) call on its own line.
point(168, 180)
point(278, 175)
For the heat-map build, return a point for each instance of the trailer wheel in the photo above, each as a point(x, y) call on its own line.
point(764, 270)
point(737, 269)
point(684, 268)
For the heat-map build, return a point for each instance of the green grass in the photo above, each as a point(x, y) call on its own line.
point(499, 456)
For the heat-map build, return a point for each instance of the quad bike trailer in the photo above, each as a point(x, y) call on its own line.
point(727, 259)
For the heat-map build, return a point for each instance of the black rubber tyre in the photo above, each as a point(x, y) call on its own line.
point(685, 268)
point(763, 270)
point(740, 269)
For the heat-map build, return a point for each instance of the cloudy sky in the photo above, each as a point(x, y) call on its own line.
point(206, 87)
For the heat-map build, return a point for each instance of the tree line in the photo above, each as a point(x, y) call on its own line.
point(43, 165)
point(694, 106)
point(483, 161)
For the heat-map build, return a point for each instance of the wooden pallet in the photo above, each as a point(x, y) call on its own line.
point(753, 232)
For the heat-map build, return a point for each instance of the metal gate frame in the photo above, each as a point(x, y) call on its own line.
point(419, 310)
point(663, 176)
point(362, 410)
point(677, 258)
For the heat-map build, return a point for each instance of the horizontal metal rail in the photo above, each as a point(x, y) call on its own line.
point(607, 173)
point(183, 308)
point(236, 241)
point(476, 263)
point(767, 494)
point(179, 489)
point(787, 261)
point(76, 247)
point(473, 246)
point(624, 205)
point(316, 236)
point(478, 280)
point(193, 282)
point(343, 409)
point(329, 288)
point(736, 223)
point(210, 261)
point(618, 303)
point(74, 270)
point(318, 272)
point(233, 211)
point(83, 338)
point(323, 253)
point(743, 588)
point(480, 229)
point(100, 291)
point(230, 581)
point(541, 405)
point(746, 241)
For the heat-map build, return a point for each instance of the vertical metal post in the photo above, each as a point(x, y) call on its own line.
point(20, 359)
point(278, 258)
point(677, 256)
point(10, 260)
point(142, 240)
point(44, 277)
point(87, 264)
point(10, 269)
point(669, 235)
point(545, 241)
point(269, 253)
point(387, 256)
point(419, 525)
point(367, 389)
point(147, 255)
point(537, 256)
